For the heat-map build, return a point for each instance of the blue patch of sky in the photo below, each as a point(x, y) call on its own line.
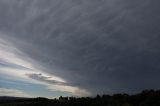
point(31, 89)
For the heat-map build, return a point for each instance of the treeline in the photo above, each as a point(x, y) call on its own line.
point(145, 98)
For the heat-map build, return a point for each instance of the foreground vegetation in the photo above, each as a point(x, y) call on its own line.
point(145, 98)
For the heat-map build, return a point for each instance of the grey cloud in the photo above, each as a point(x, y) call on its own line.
point(45, 79)
point(101, 45)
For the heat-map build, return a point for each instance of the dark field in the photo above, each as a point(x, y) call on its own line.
point(145, 98)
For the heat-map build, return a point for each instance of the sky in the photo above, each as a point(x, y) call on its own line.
point(55, 48)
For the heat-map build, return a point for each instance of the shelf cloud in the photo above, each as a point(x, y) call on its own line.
point(81, 47)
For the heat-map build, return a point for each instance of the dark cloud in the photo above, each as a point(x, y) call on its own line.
point(100, 45)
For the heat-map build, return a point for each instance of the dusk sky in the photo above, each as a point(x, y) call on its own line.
point(55, 48)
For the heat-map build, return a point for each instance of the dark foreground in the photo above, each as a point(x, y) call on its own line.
point(145, 98)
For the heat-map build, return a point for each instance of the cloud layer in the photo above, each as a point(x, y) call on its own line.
point(98, 46)
point(14, 65)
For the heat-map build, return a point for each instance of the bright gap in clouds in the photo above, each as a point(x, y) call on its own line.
point(12, 92)
point(15, 66)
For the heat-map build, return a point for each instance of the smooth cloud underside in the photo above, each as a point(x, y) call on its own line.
point(82, 47)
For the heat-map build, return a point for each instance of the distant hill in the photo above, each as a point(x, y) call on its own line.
point(10, 98)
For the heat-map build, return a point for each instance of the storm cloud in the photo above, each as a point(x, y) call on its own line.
point(102, 46)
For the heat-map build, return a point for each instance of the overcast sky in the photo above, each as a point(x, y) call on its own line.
point(78, 47)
